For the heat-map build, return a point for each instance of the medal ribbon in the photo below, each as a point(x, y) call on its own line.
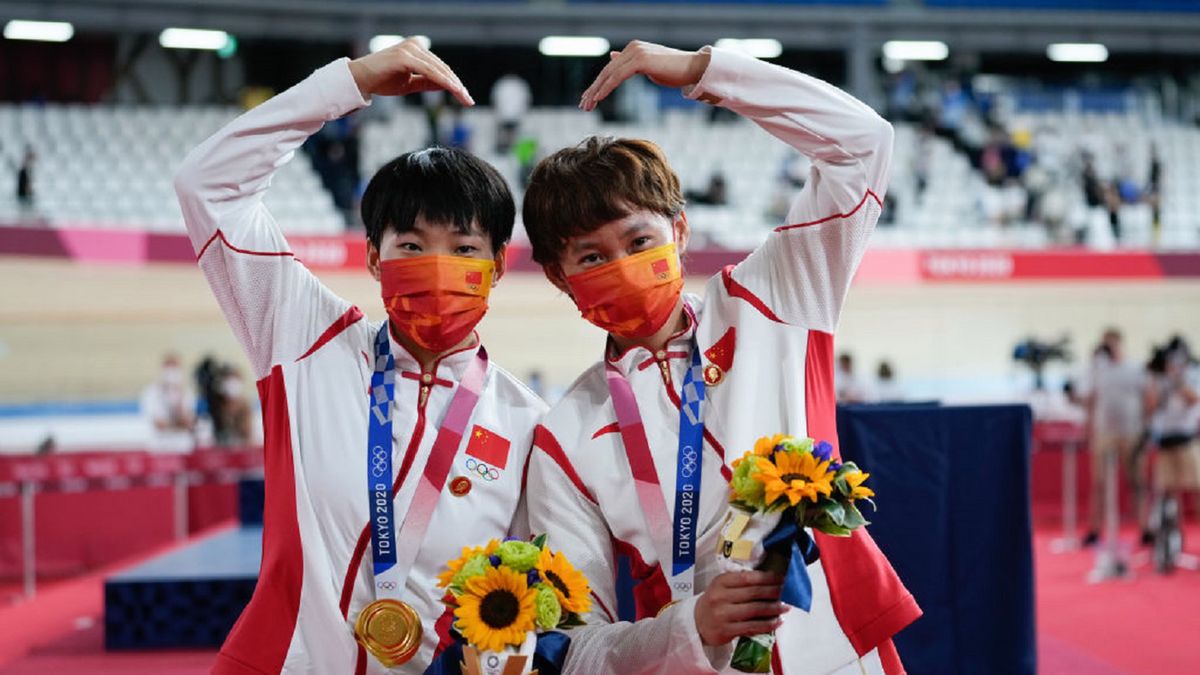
point(689, 463)
point(392, 564)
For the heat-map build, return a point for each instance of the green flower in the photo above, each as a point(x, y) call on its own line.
point(549, 612)
point(475, 567)
point(793, 444)
point(520, 556)
point(746, 486)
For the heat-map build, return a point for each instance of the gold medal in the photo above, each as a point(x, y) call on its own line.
point(666, 607)
point(390, 630)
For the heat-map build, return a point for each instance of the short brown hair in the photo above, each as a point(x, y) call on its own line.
point(578, 189)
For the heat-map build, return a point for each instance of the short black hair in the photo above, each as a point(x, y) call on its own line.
point(446, 186)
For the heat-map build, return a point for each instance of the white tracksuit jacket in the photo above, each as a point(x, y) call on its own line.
point(309, 349)
point(768, 325)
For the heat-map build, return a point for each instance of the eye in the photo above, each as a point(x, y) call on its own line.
point(641, 243)
point(466, 250)
point(409, 246)
point(590, 259)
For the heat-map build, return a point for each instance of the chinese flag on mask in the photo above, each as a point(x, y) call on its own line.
point(488, 446)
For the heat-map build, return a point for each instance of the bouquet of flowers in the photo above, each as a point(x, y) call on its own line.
point(504, 594)
point(782, 486)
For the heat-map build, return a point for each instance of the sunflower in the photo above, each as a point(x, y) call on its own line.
point(799, 476)
point(857, 490)
point(568, 583)
point(468, 552)
point(765, 446)
point(496, 610)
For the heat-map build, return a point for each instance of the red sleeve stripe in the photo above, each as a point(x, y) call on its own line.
point(352, 316)
point(543, 439)
point(221, 235)
point(835, 216)
point(736, 290)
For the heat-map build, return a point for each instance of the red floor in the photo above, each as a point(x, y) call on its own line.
point(1146, 624)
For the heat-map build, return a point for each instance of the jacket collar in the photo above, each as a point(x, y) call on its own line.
point(678, 345)
point(447, 369)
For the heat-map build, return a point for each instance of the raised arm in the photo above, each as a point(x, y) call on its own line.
point(559, 504)
point(276, 307)
point(804, 269)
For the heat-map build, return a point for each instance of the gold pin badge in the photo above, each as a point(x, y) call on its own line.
point(460, 486)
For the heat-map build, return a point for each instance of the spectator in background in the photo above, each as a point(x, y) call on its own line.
point(511, 99)
point(716, 194)
point(433, 103)
point(168, 404)
point(847, 385)
point(1153, 194)
point(887, 390)
point(1113, 389)
point(234, 409)
point(1174, 408)
point(25, 194)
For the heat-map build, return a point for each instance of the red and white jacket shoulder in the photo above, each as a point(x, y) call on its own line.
point(276, 307)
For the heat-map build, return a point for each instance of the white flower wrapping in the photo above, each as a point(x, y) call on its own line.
point(498, 663)
point(742, 535)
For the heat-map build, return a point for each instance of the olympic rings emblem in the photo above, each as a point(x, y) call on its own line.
point(385, 585)
point(379, 460)
point(484, 471)
point(689, 462)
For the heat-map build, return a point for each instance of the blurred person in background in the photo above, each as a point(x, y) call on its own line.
point(511, 99)
point(233, 410)
point(716, 193)
point(25, 194)
point(887, 389)
point(1174, 409)
point(169, 405)
point(1113, 389)
point(850, 388)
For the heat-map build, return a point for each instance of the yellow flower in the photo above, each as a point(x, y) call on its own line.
point(468, 552)
point(798, 476)
point(764, 446)
point(569, 584)
point(857, 489)
point(496, 610)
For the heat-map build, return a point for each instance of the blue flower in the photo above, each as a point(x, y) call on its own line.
point(532, 577)
point(495, 560)
point(823, 451)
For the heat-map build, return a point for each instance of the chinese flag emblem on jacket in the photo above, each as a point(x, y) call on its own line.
point(488, 446)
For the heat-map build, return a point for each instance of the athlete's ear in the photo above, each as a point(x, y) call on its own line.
point(555, 274)
point(373, 260)
point(681, 232)
point(501, 261)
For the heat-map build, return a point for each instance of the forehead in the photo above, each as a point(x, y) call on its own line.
point(423, 227)
point(616, 231)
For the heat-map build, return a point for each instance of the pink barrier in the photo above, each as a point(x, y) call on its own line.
point(878, 267)
point(66, 514)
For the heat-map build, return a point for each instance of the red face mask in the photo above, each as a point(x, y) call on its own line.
point(632, 297)
point(436, 300)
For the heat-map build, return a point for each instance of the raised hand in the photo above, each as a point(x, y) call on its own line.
point(406, 68)
point(737, 604)
point(663, 65)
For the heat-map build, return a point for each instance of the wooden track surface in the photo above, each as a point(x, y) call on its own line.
point(70, 332)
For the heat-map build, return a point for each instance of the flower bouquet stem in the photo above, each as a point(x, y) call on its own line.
point(752, 654)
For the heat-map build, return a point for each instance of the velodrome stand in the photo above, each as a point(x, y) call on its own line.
point(189, 597)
